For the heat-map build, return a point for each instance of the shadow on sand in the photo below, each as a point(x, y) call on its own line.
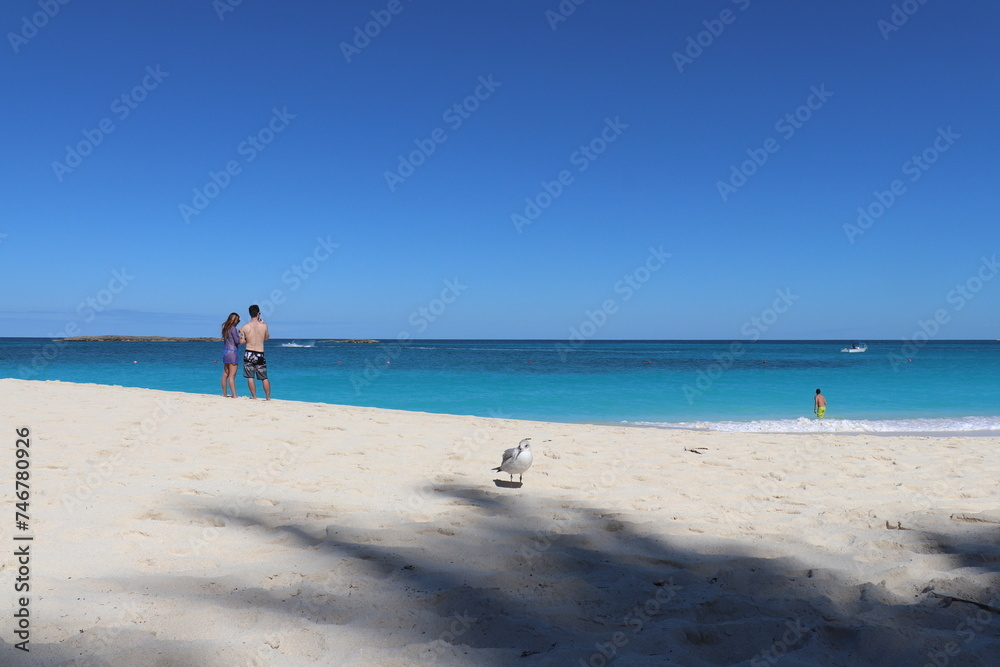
point(505, 579)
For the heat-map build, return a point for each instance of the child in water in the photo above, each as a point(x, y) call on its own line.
point(819, 405)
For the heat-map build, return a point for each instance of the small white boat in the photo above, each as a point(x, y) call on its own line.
point(856, 347)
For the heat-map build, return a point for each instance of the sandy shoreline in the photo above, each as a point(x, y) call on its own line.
point(176, 528)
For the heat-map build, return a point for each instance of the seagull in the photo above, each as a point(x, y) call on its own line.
point(516, 460)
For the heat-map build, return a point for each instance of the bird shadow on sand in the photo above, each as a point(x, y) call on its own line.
point(506, 484)
point(479, 577)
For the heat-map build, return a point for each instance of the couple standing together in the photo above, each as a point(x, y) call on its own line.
point(252, 334)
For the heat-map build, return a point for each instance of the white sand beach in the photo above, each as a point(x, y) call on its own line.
point(183, 529)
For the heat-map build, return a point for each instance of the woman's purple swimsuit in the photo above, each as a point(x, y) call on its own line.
point(231, 346)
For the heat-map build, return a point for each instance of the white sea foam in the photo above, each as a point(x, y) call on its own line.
point(298, 345)
point(943, 425)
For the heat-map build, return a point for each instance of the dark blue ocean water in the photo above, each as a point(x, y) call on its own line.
point(939, 386)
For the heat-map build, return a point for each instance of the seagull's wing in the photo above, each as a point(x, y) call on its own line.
point(507, 456)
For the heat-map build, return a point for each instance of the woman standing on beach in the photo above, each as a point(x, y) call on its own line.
point(230, 347)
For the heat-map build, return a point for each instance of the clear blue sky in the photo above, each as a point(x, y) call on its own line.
point(95, 183)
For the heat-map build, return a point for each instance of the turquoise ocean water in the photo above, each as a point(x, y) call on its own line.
point(940, 386)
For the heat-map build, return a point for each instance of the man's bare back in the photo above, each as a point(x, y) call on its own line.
point(254, 334)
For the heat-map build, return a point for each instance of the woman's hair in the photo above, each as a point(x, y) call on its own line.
point(230, 322)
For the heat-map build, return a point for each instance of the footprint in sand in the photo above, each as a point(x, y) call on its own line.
point(189, 492)
point(214, 521)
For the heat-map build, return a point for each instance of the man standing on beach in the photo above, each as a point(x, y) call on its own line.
point(819, 405)
point(255, 333)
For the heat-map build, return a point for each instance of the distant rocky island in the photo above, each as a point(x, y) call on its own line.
point(351, 340)
point(140, 339)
